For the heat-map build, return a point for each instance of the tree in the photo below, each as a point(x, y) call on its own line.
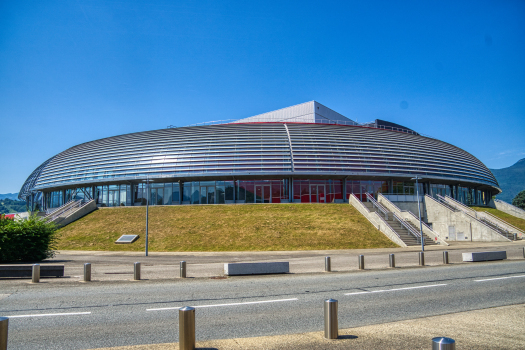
point(519, 200)
point(26, 240)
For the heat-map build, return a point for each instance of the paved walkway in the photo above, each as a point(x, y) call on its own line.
point(494, 328)
point(111, 266)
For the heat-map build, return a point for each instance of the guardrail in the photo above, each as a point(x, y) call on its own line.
point(409, 228)
point(376, 204)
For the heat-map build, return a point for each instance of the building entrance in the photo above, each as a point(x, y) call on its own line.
point(263, 194)
point(317, 194)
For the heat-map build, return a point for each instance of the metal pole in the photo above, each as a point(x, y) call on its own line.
point(4, 325)
point(392, 260)
point(421, 259)
point(361, 262)
point(147, 212)
point(419, 211)
point(331, 327)
point(327, 264)
point(183, 269)
point(445, 257)
point(136, 271)
point(524, 252)
point(515, 237)
point(187, 328)
point(87, 272)
point(35, 276)
point(443, 343)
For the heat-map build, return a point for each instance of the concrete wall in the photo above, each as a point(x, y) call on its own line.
point(466, 227)
point(412, 206)
point(77, 214)
point(376, 220)
point(509, 209)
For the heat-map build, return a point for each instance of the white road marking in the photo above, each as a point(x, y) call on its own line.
point(231, 304)
point(499, 278)
point(46, 315)
point(396, 289)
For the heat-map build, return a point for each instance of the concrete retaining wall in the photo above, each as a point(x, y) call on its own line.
point(509, 209)
point(465, 227)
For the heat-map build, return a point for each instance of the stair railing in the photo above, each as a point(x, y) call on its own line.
point(69, 206)
point(444, 202)
point(409, 228)
point(376, 204)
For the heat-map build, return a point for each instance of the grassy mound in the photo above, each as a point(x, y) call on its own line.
point(519, 223)
point(259, 227)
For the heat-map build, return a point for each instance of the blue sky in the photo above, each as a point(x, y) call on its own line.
point(75, 71)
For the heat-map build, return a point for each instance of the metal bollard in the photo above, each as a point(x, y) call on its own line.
point(445, 257)
point(87, 272)
point(331, 327)
point(443, 343)
point(187, 328)
point(361, 262)
point(4, 325)
point(524, 252)
point(136, 271)
point(515, 237)
point(421, 259)
point(35, 276)
point(183, 269)
point(327, 264)
point(392, 260)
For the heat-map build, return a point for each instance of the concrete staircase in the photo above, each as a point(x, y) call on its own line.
point(70, 212)
point(401, 231)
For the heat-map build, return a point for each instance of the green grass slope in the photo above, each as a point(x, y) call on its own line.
point(260, 227)
point(517, 222)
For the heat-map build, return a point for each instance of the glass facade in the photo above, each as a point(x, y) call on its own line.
point(256, 191)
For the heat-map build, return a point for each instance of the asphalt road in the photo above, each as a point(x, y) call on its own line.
point(103, 314)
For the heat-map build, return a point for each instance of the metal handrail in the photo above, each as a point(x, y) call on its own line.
point(460, 205)
point(70, 207)
point(384, 221)
point(506, 223)
point(377, 204)
point(409, 228)
point(424, 223)
point(444, 202)
point(61, 208)
point(498, 227)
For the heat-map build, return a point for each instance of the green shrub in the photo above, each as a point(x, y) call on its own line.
point(519, 200)
point(26, 240)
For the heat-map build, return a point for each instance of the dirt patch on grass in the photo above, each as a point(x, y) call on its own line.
point(258, 227)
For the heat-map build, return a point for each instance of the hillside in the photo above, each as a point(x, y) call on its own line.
point(511, 180)
point(11, 206)
point(260, 227)
point(13, 196)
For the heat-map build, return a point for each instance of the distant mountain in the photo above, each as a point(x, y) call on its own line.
point(13, 196)
point(511, 180)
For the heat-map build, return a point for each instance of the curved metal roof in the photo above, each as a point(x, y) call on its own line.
point(256, 149)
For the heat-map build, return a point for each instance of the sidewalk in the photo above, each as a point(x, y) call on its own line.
point(111, 266)
point(494, 328)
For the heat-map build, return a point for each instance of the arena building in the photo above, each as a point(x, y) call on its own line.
point(304, 153)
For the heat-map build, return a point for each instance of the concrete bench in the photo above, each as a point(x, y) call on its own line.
point(236, 269)
point(485, 256)
point(26, 270)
